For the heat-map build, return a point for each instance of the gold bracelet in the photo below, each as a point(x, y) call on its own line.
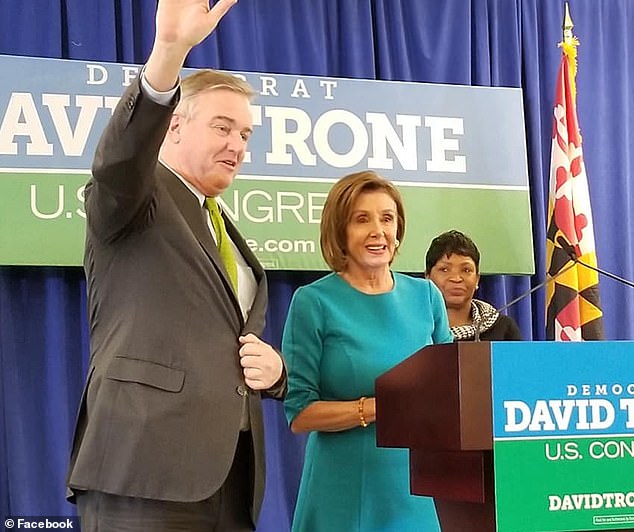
point(362, 420)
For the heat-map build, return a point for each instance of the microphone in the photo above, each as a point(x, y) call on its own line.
point(572, 253)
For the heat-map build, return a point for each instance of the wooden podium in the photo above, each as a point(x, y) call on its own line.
point(437, 403)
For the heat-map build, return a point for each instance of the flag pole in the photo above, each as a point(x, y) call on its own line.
point(573, 308)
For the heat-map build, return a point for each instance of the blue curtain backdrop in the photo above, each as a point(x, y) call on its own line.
point(43, 331)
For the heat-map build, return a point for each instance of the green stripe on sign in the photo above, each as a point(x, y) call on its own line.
point(44, 222)
point(568, 484)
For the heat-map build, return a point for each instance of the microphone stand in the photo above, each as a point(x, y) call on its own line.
point(604, 272)
point(574, 260)
point(536, 287)
point(523, 295)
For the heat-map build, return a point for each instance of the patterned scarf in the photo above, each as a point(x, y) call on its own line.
point(483, 316)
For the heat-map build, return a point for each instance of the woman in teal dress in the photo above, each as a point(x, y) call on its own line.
point(342, 332)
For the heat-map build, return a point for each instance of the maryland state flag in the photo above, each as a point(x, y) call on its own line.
point(573, 311)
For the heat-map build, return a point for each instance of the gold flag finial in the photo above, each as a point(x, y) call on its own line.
point(568, 25)
point(569, 48)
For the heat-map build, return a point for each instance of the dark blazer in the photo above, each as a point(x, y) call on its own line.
point(160, 414)
point(504, 328)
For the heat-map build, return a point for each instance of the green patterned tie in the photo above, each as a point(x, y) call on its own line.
point(223, 242)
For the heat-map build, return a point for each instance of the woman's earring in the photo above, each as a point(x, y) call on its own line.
point(397, 243)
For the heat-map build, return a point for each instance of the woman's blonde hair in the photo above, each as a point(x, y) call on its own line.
point(338, 211)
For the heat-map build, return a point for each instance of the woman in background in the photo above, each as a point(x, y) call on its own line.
point(452, 262)
point(342, 332)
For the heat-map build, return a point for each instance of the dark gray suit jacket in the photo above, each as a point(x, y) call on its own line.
point(160, 415)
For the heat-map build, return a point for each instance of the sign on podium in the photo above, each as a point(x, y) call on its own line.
point(517, 436)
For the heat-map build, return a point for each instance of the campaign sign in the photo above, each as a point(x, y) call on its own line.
point(457, 153)
point(563, 435)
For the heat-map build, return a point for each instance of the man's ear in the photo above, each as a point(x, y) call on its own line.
point(173, 130)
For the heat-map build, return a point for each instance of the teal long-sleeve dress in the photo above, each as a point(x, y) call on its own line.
point(336, 341)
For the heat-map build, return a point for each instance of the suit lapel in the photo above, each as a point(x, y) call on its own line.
point(244, 249)
point(194, 215)
point(255, 321)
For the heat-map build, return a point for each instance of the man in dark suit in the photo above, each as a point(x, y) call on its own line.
point(169, 433)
